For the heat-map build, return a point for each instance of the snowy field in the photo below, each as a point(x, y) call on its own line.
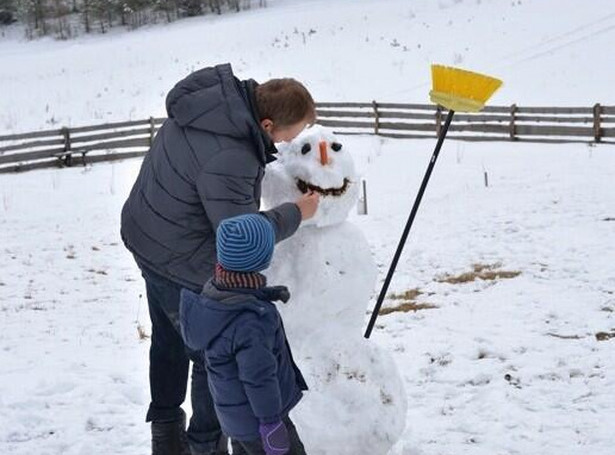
point(499, 367)
point(511, 365)
point(548, 52)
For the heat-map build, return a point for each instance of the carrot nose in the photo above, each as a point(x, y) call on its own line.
point(324, 157)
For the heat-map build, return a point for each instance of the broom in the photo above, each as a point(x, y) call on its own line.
point(456, 90)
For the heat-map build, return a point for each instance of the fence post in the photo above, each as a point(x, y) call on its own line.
point(362, 207)
point(67, 157)
point(512, 127)
point(597, 122)
point(152, 130)
point(377, 118)
point(438, 120)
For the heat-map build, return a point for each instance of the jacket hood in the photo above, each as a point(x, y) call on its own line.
point(212, 99)
point(203, 319)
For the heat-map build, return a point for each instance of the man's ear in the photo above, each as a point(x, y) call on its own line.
point(267, 125)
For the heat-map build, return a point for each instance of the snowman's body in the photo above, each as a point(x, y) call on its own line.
point(356, 404)
point(330, 273)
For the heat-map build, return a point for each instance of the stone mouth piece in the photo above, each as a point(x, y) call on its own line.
point(306, 187)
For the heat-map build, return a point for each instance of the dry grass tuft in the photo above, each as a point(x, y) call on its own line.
point(487, 272)
point(409, 302)
point(410, 294)
point(142, 333)
point(409, 298)
point(406, 307)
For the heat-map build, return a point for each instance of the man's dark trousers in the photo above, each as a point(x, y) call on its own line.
point(169, 364)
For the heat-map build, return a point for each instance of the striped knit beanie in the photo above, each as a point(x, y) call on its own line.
point(245, 243)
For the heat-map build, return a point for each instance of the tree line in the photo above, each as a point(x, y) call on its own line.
point(67, 18)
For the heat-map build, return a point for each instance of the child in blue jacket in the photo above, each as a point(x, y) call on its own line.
point(233, 323)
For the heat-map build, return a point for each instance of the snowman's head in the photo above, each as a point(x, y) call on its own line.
point(315, 160)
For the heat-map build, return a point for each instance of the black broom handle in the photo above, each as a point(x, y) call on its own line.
point(404, 236)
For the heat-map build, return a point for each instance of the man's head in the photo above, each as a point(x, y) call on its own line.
point(285, 107)
point(245, 243)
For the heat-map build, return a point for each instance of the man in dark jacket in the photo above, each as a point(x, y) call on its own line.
point(235, 326)
point(206, 164)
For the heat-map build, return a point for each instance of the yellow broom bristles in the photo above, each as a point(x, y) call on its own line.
point(461, 90)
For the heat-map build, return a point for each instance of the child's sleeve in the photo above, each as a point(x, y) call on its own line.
point(258, 368)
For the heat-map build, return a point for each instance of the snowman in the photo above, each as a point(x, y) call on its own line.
point(356, 403)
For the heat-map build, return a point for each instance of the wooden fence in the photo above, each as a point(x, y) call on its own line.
point(114, 141)
point(494, 123)
point(80, 145)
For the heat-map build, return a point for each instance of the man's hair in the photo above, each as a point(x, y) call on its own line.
point(285, 102)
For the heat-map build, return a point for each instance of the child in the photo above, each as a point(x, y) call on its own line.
point(233, 323)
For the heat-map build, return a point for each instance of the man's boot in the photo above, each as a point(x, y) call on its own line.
point(221, 448)
point(169, 438)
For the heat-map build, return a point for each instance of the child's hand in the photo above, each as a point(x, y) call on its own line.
point(275, 438)
point(308, 204)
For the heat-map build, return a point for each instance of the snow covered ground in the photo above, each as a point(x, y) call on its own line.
point(510, 366)
point(504, 366)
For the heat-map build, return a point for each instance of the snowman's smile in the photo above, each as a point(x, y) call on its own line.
point(306, 187)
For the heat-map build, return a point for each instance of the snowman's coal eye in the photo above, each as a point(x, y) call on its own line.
point(306, 148)
point(336, 146)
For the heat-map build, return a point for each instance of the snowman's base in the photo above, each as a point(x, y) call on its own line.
point(356, 403)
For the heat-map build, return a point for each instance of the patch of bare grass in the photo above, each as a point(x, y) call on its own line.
point(407, 307)
point(408, 303)
point(410, 294)
point(486, 272)
point(409, 299)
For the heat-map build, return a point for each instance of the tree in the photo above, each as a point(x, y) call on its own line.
point(59, 11)
point(191, 7)
point(137, 11)
point(8, 12)
point(102, 12)
point(170, 8)
point(235, 4)
point(86, 14)
point(34, 13)
point(63, 17)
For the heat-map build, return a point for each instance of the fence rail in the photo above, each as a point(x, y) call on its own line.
point(506, 123)
point(80, 145)
point(113, 141)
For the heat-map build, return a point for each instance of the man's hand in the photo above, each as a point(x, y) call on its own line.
point(308, 204)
